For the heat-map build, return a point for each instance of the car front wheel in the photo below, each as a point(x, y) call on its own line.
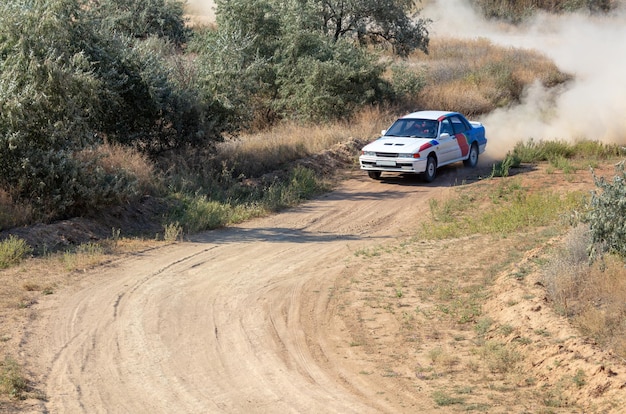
point(472, 159)
point(374, 175)
point(431, 169)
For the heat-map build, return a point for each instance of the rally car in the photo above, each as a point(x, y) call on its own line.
point(421, 142)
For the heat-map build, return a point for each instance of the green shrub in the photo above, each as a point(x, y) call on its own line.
point(607, 214)
point(204, 212)
point(12, 251)
point(501, 168)
point(301, 185)
point(71, 78)
point(406, 84)
point(533, 151)
point(12, 381)
point(331, 83)
point(142, 19)
point(596, 150)
point(270, 60)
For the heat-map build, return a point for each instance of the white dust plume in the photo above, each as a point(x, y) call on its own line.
point(200, 11)
point(592, 48)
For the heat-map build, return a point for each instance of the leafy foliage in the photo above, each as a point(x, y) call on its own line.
point(142, 18)
point(72, 76)
point(334, 80)
point(46, 99)
point(607, 214)
point(375, 22)
point(302, 60)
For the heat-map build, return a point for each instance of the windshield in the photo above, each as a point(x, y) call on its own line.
point(414, 128)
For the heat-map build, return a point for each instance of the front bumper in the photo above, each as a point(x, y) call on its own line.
point(410, 165)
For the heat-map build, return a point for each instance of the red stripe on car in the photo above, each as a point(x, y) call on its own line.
point(461, 139)
point(425, 146)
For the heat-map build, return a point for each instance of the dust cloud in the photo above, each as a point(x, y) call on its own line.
point(200, 11)
point(592, 48)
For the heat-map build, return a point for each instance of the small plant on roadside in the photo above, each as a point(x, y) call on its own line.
point(12, 251)
point(580, 378)
point(506, 329)
point(12, 380)
point(499, 358)
point(83, 256)
point(172, 232)
point(443, 399)
point(502, 168)
point(482, 326)
point(115, 236)
point(564, 164)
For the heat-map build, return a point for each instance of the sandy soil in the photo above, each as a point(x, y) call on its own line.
point(330, 307)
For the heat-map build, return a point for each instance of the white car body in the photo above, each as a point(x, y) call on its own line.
point(406, 147)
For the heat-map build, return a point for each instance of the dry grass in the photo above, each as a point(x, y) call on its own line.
point(13, 214)
point(593, 296)
point(114, 157)
point(475, 76)
point(110, 158)
point(255, 154)
point(603, 305)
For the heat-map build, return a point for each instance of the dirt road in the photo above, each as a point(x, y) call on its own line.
point(236, 320)
point(331, 307)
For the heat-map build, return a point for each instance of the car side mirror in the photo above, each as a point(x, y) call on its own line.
point(383, 132)
point(444, 135)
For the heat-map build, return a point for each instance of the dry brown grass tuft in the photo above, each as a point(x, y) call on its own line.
point(604, 310)
point(593, 296)
point(13, 214)
point(114, 157)
point(475, 76)
point(255, 154)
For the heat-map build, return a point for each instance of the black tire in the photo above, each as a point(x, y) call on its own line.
point(431, 169)
point(374, 175)
point(472, 158)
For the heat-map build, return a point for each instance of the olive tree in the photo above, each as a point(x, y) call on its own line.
point(303, 59)
point(142, 18)
point(394, 23)
point(67, 82)
point(47, 99)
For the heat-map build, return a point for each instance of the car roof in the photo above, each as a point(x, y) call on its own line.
point(432, 115)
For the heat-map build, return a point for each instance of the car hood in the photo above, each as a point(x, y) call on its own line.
point(398, 144)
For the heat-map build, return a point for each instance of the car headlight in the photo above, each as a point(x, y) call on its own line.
point(408, 155)
point(369, 153)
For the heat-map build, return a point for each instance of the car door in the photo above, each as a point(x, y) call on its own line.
point(461, 129)
point(448, 147)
